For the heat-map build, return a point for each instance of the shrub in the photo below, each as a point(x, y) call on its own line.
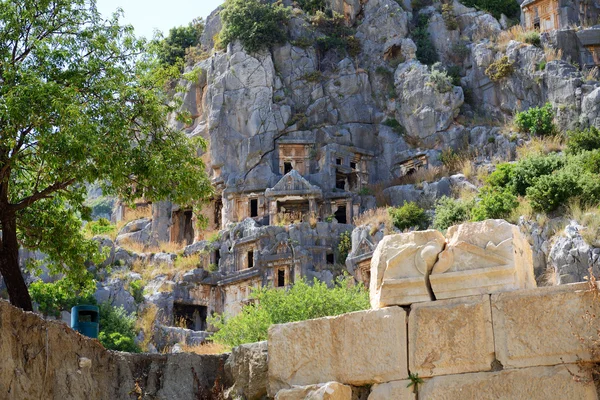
point(54, 297)
point(312, 6)
point(136, 288)
point(459, 51)
point(117, 329)
point(344, 247)
point(499, 69)
point(453, 72)
point(410, 215)
point(439, 79)
point(100, 227)
point(510, 8)
point(526, 171)
point(301, 302)
point(502, 177)
point(494, 204)
point(395, 125)
point(551, 191)
point(533, 37)
point(449, 17)
point(426, 53)
point(538, 121)
point(254, 24)
point(173, 48)
point(581, 140)
point(449, 211)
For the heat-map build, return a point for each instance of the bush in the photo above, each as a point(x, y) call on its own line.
point(587, 139)
point(301, 302)
point(117, 329)
point(551, 191)
point(344, 247)
point(533, 37)
point(494, 204)
point(395, 125)
point(100, 227)
point(54, 297)
point(136, 288)
point(502, 177)
point(526, 171)
point(256, 25)
point(510, 8)
point(173, 47)
point(449, 211)
point(426, 53)
point(537, 121)
point(499, 69)
point(449, 17)
point(336, 35)
point(410, 215)
point(439, 79)
point(312, 6)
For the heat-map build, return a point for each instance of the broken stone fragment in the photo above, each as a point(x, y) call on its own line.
point(323, 391)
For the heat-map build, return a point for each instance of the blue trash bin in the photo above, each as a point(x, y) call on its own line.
point(86, 320)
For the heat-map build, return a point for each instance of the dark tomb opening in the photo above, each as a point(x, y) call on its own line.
point(190, 316)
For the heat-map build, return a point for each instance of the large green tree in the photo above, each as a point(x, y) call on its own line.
point(81, 100)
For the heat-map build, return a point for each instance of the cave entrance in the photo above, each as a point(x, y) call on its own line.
point(190, 316)
point(340, 214)
point(182, 230)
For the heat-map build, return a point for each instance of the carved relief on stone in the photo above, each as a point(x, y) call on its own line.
point(400, 266)
point(483, 257)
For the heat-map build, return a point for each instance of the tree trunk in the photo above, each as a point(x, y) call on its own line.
point(9, 264)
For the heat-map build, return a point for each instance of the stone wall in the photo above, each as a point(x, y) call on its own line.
point(42, 359)
point(523, 344)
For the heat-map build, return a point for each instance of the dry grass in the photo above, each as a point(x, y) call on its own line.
point(375, 218)
point(541, 146)
point(145, 323)
point(132, 214)
point(589, 218)
point(163, 247)
point(517, 33)
point(553, 54)
point(593, 74)
point(523, 209)
point(205, 348)
point(548, 278)
point(179, 266)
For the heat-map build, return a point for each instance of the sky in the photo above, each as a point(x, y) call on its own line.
point(148, 15)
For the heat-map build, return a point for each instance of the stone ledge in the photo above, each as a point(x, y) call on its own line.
point(359, 348)
point(397, 390)
point(536, 327)
point(451, 336)
point(536, 383)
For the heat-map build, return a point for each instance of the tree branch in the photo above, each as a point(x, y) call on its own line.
point(44, 194)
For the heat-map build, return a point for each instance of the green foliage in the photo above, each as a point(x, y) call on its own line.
point(314, 76)
point(410, 215)
point(301, 302)
point(173, 48)
point(449, 211)
point(54, 297)
point(335, 34)
point(426, 53)
point(499, 69)
point(581, 140)
point(538, 121)
point(453, 72)
point(312, 6)
point(542, 66)
point(344, 246)
point(395, 125)
point(100, 227)
point(494, 204)
point(451, 159)
point(449, 17)
point(503, 176)
point(459, 51)
point(415, 381)
point(510, 8)
point(83, 100)
point(526, 171)
point(100, 206)
point(117, 329)
point(136, 288)
point(439, 79)
point(533, 37)
point(255, 24)
point(549, 192)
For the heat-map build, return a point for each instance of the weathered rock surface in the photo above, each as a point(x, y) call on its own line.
point(520, 316)
point(539, 383)
point(324, 391)
point(483, 257)
point(571, 257)
point(400, 266)
point(248, 367)
point(48, 360)
point(398, 390)
point(329, 349)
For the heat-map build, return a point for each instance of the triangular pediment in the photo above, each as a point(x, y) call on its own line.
point(293, 183)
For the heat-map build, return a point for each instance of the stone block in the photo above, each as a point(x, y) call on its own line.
point(397, 390)
point(247, 365)
point(541, 326)
point(359, 348)
point(483, 257)
point(323, 391)
point(451, 336)
point(400, 265)
point(537, 383)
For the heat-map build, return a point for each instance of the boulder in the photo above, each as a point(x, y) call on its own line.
point(571, 257)
point(483, 257)
point(248, 367)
